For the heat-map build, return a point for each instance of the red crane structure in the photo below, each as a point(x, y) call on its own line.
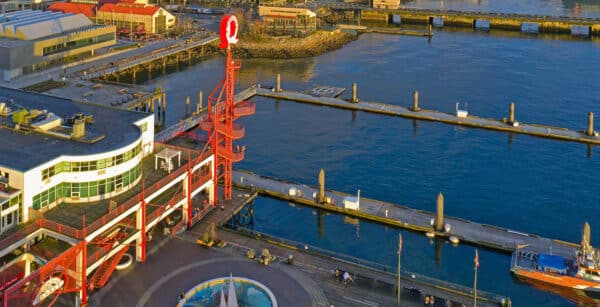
point(222, 111)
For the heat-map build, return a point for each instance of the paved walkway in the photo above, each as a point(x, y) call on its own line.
point(180, 265)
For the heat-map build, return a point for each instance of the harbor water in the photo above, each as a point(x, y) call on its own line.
point(529, 184)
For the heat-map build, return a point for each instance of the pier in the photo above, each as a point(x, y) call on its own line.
point(489, 236)
point(155, 60)
point(577, 26)
point(509, 124)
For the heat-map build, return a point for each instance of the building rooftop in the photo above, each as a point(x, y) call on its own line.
point(126, 8)
point(23, 151)
point(38, 24)
point(86, 9)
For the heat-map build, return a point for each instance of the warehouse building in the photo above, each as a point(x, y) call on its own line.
point(32, 40)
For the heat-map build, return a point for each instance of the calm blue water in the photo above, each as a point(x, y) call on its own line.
point(529, 184)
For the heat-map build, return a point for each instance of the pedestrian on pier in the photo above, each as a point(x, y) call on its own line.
point(426, 301)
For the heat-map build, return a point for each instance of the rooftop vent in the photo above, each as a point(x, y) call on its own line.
point(78, 129)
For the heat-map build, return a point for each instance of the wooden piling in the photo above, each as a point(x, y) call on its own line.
point(200, 98)
point(164, 105)
point(321, 197)
point(590, 130)
point(430, 30)
point(187, 105)
point(511, 113)
point(415, 101)
point(439, 222)
point(354, 97)
point(278, 86)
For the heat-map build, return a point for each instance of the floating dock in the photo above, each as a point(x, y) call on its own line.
point(489, 236)
point(437, 116)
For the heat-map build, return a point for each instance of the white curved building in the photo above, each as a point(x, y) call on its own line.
point(45, 162)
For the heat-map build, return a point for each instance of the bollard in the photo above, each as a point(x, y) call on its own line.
point(278, 86)
point(321, 197)
point(439, 222)
point(416, 101)
point(590, 130)
point(187, 105)
point(199, 107)
point(354, 98)
point(511, 113)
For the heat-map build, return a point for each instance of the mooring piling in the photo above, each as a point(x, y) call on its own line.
point(321, 197)
point(416, 101)
point(187, 105)
point(590, 130)
point(354, 97)
point(278, 86)
point(199, 107)
point(511, 113)
point(439, 222)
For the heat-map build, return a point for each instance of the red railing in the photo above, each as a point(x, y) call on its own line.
point(61, 229)
point(95, 256)
point(20, 234)
point(196, 218)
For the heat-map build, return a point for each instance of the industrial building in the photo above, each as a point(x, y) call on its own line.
point(287, 20)
point(32, 40)
point(79, 185)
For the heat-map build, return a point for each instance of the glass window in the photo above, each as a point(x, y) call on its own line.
point(75, 166)
point(93, 188)
point(83, 189)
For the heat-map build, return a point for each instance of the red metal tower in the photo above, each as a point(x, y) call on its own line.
point(222, 111)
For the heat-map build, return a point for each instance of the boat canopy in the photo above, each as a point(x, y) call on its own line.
point(551, 263)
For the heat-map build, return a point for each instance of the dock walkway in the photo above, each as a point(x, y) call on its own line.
point(430, 115)
point(400, 216)
point(150, 57)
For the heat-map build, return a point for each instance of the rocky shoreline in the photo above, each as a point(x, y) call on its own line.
point(292, 47)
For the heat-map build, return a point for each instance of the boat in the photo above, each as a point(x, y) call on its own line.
point(581, 272)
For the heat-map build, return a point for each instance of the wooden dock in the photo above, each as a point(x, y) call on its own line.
point(431, 115)
point(489, 236)
point(173, 50)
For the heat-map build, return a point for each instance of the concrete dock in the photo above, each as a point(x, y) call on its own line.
point(489, 236)
point(577, 26)
point(431, 115)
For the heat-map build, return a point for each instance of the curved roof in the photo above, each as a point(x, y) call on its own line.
point(20, 151)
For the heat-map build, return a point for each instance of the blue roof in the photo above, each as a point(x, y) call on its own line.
point(552, 263)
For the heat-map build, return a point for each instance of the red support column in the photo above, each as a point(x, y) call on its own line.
point(189, 199)
point(143, 227)
point(84, 266)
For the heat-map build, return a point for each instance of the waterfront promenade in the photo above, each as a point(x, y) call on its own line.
point(489, 236)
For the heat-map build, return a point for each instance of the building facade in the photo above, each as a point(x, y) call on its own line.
point(287, 21)
point(33, 40)
point(154, 19)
